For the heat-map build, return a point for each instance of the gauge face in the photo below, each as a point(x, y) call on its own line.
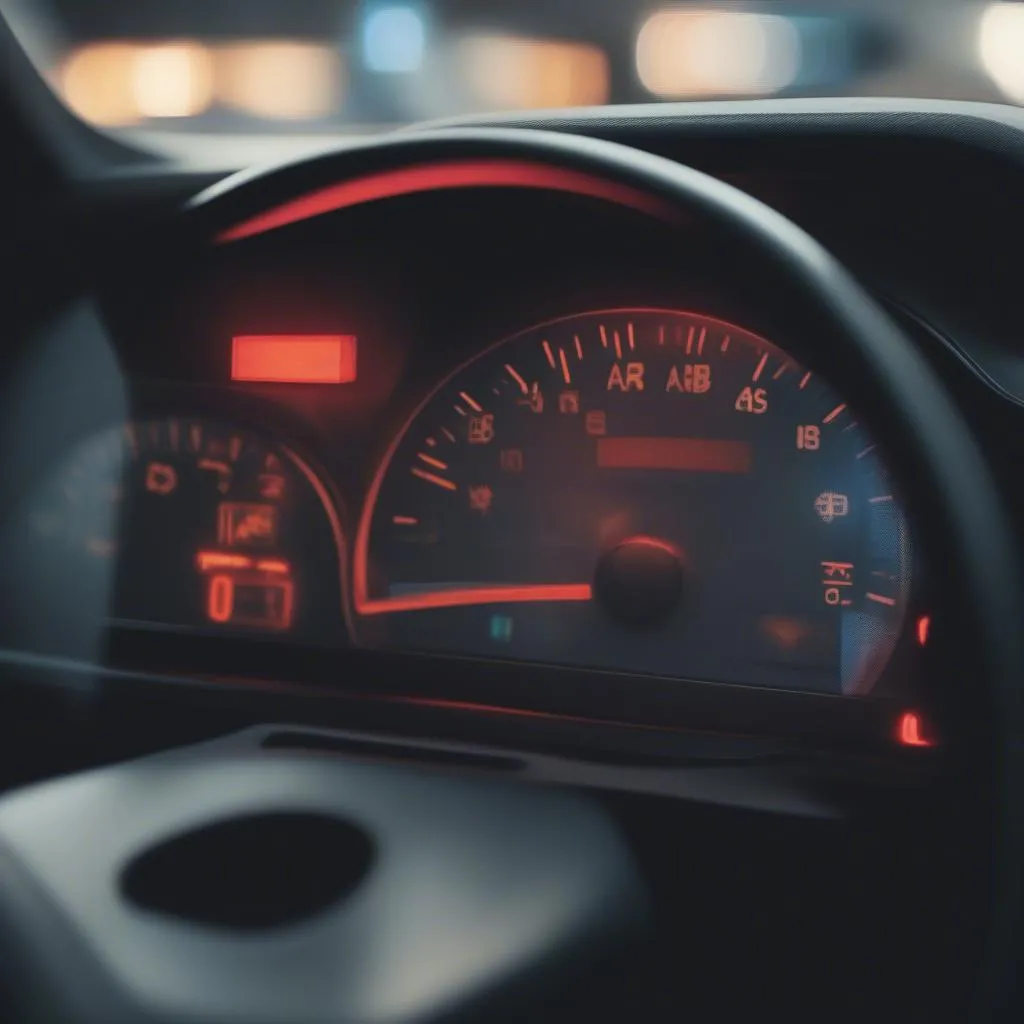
point(202, 525)
point(640, 490)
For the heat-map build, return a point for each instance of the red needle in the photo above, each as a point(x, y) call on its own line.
point(514, 594)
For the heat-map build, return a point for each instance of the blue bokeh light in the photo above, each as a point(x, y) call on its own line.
point(394, 39)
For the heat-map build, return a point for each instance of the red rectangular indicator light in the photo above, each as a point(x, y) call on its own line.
point(294, 358)
point(682, 454)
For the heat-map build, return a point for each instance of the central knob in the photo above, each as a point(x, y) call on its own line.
point(640, 581)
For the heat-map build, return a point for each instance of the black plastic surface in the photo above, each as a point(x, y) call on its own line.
point(481, 894)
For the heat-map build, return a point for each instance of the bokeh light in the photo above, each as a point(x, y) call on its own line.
point(1001, 47)
point(280, 79)
point(688, 53)
point(172, 80)
point(509, 72)
point(394, 40)
point(121, 83)
point(365, 65)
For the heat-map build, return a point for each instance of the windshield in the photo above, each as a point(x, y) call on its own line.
point(262, 67)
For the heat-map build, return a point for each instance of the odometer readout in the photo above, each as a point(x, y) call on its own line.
point(641, 490)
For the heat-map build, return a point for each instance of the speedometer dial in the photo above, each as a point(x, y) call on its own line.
point(643, 490)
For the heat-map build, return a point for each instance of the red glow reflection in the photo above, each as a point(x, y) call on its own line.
point(433, 177)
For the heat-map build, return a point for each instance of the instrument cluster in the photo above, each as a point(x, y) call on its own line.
point(332, 443)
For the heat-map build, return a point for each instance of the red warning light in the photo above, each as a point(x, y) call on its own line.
point(294, 358)
point(923, 625)
point(910, 732)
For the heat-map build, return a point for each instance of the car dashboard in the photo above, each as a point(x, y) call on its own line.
point(511, 449)
point(483, 469)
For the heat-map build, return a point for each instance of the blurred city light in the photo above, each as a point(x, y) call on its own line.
point(366, 65)
point(114, 84)
point(394, 39)
point(688, 53)
point(1001, 47)
point(174, 80)
point(511, 72)
point(96, 82)
point(122, 83)
point(279, 79)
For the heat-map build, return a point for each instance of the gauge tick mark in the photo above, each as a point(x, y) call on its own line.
point(518, 378)
point(565, 366)
point(434, 479)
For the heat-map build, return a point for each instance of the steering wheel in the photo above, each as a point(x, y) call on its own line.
point(835, 328)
